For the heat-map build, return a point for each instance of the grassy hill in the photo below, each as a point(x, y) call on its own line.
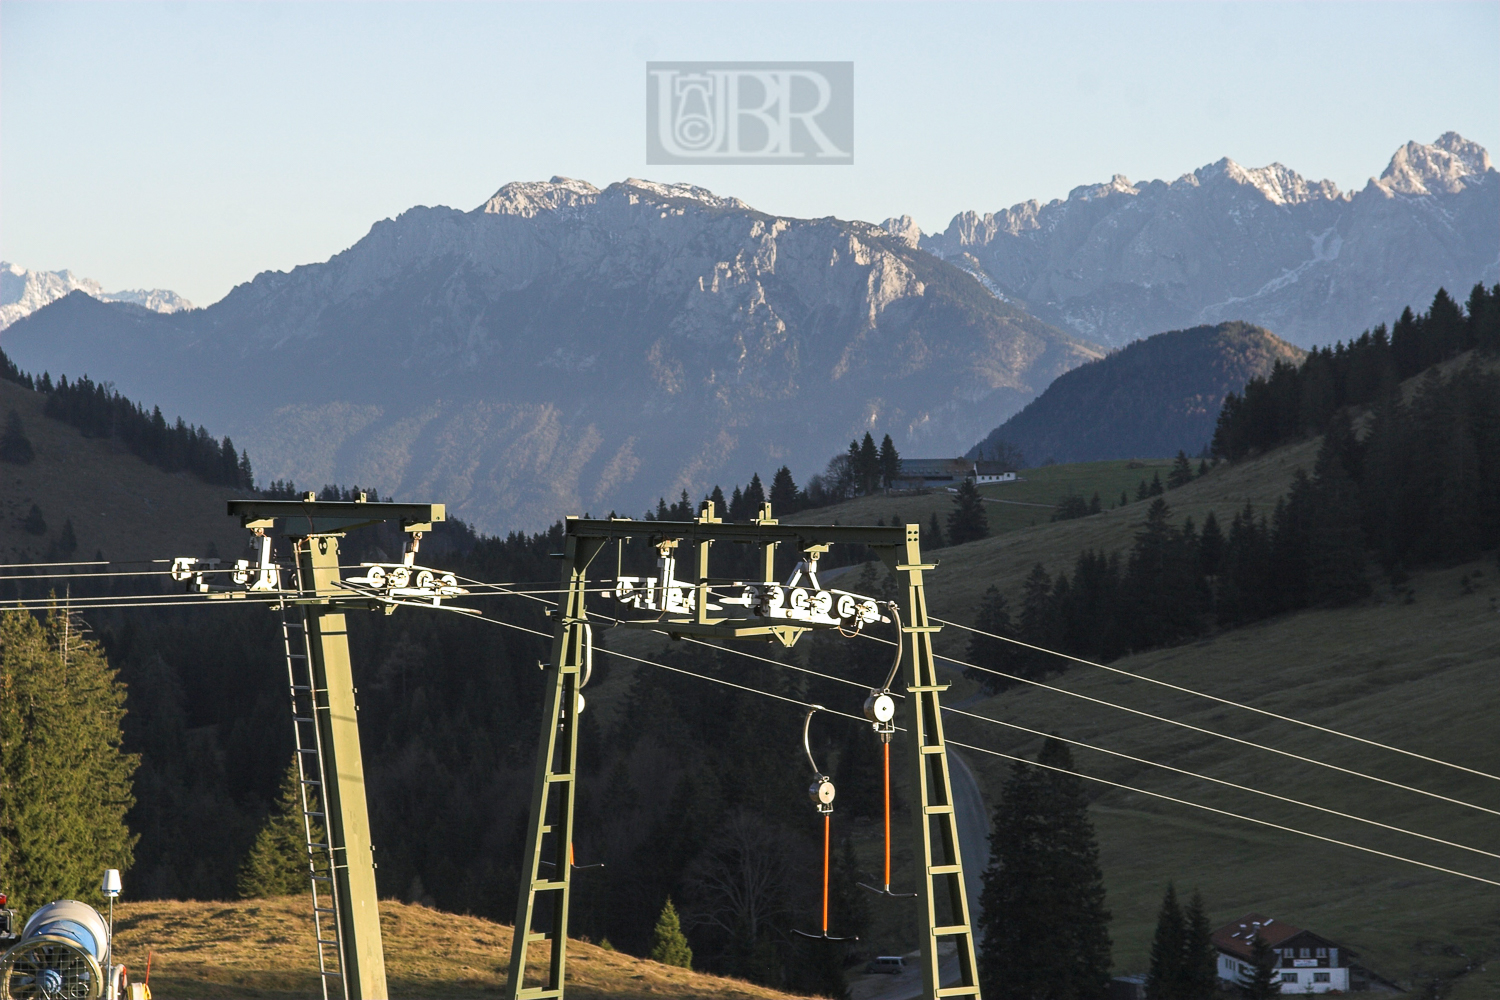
point(262, 948)
point(119, 505)
point(1415, 674)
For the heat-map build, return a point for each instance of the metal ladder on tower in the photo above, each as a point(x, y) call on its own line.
point(321, 869)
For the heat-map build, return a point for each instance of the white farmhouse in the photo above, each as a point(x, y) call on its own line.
point(1304, 961)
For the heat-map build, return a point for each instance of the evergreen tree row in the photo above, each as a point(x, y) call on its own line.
point(1179, 582)
point(1296, 402)
point(862, 470)
point(98, 411)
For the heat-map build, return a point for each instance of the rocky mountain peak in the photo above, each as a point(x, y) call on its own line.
point(655, 191)
point(1118, 184)
point(1439, 168)
point(1278, 184)
point(528, 198)
point(23, 292)
point(904, 229)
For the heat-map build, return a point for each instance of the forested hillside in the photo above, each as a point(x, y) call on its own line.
point(1149, 399)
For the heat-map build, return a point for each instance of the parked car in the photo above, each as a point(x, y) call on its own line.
point(893, 964)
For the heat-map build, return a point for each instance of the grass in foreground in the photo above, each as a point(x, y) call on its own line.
point(263, 948)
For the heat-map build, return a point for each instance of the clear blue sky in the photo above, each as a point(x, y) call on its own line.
point(190, 146)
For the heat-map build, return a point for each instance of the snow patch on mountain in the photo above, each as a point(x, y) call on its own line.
point(23, 292)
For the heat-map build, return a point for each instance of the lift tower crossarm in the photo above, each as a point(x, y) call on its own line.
point(321, 517)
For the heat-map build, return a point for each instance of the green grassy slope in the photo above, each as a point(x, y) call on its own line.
point(1417, 675)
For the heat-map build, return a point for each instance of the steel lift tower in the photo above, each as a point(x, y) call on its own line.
point(762, 609)
point(346, 913)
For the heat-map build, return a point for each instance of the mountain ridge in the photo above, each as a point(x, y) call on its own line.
point(563, 348)
point(1120, 260)
point(23, 292)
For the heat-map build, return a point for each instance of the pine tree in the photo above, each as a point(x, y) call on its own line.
point(1164, 981)
point(967, 522)
point(1200, 974)
point(669, 945)
point(755, 495)
point(890, 462)
point(15, 447)
point(1182, 472)
point(783, 492)
point(1210, 547)
point(1046, 926)
point(716, 497)
point(67, 541)
point(34, 523)
point(996, 654)
point(277, 862)
point(934, 535)
point(1262, 984)
point(867, 467)
point(1123, 499)
point(1156, 489)
point(65, 785)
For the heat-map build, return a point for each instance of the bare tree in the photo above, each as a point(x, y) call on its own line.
point(747, 881)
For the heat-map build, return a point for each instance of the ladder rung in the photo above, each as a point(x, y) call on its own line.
point(958, 991)
point(559, 777)
point(921, 628)
point(928, 688)
point(323, 909)
point(319, 815)
point(545, 885)
point(301, 687)
point(937, 810)
point(310, 750)
point(538, 993)
point(328, 941)
point(950, 929)
point(538, 936)
point(945, 869)
point(935, 749)
point(321, 878)
point(303, 718)
point(911, 566)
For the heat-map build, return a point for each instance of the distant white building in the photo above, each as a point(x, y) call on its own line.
point(929, 473)
point(1304, 960)
point(993, 472)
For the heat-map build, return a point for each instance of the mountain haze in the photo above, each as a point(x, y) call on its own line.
point(1147, 400)
point(563, 348)
point(1118, 261)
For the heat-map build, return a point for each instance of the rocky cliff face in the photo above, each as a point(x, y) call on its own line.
point(1120, 260)
point(23, 292)
point(564, 348)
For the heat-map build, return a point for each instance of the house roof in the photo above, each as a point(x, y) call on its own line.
point(913, 467)
point(1236, 936)
point(993, 468)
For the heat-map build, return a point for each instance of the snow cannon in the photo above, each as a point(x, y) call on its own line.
point(64, 953)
